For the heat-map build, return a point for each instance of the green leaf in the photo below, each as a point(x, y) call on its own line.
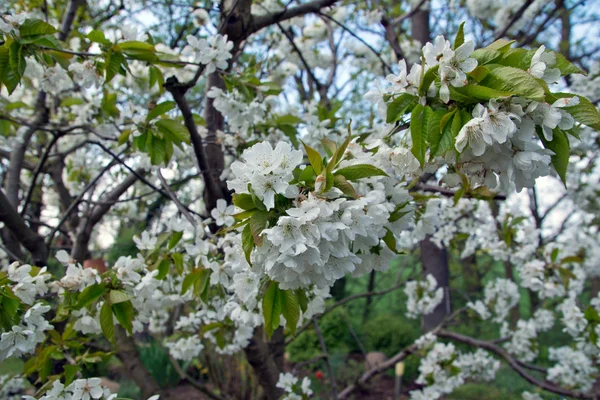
point(307, 174)
point(479, 73)
point(4, 62)
point(160, 109)
point(442, 140)
point(136, 46)
point(514, 80)
point(271, 306)
point(174, 239)
point(163, 269)
point(585, 112)
point(340, 182)
point(113, 63)
point(518, 58)
point(565, 66)
point(417, 134)
point(460, 36)
point(359, 171)
point(591, 314)
point(156, 77)
point(189, 281)
point(117, 296)
point(98, 37)
point(247, 242)
point(302, 300)
point(485, 56)
point(176, 131)
point(178, 262)
point(32, 27)
point(70, 371)
point(561, 148)
point(124, 313)
point(7, 76)
point(258, 222)
point(329, 146)
point(90, 294)
point(482, 92)
point(432, 120)
point(17, 60)
point(400, 106)
point(314, 158)
point(157, 148)
point(71, 101)
point(428, 79)
point(107, 323)
point(339, 153)
point(502, 45)
point(390, 240)
point(288, 119)
point(290, 308)
point(243, 201)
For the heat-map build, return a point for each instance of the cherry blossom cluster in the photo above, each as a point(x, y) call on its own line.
point(443, 368)
point(80, 389)
point(293, 388)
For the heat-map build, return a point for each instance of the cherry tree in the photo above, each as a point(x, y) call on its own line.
point(262, 152)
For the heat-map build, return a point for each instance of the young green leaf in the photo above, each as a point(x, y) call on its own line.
point(561, 148)
point(401, 105)
point(340, 182)
point(290, 308)
point(314, 158)
point(460, 36)
point(514, 80)
point(258, 222)
point(163, 269)
point(359, 171)
point(107, 323)
point(89, 295)
point(243, 201)
point(175, 130)
point(160, 109)
point(417, 133)
point(31, 27)
point(174, 239)
point(271, 306)
point(247, 242)
point(124, 313)
point(118, 296)
point(428, 79)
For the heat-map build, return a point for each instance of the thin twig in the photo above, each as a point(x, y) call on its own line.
point(182, 209)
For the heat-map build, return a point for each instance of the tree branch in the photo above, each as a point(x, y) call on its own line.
point(515, 364)
point(264, 21)
point(33, 242)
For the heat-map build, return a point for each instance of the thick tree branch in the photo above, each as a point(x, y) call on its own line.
point(515, 364)
point(212, 186)
point(33, 242)
point(86, 225)
point(390, 363)
point(264, 21)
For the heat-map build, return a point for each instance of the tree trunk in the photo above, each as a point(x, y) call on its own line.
point(370, 288)
point(435, 263)
point(267, 373)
